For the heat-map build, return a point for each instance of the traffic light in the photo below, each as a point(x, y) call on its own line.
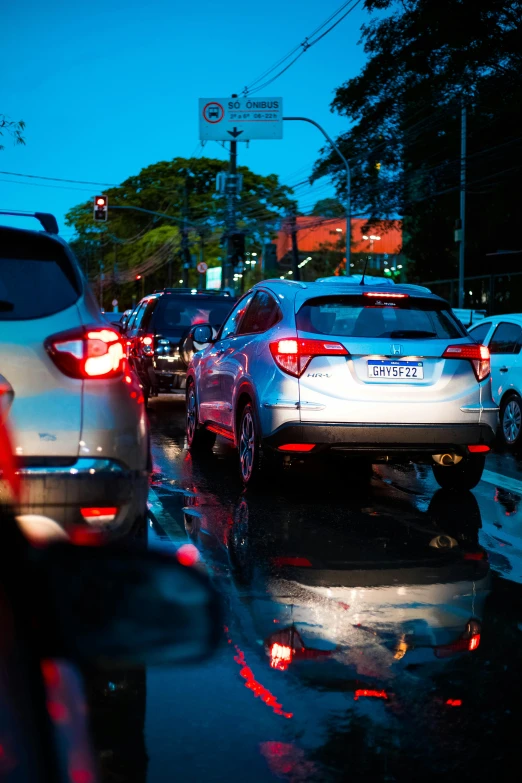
point(238, 246)
point(101, 208)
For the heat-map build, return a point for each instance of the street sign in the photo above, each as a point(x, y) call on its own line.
point(202, 267)
point(114, 303)
point(242, 119)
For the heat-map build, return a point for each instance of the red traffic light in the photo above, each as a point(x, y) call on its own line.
point(101, 208)
point(138, 277)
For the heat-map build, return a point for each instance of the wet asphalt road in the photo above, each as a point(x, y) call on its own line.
point(373, 627)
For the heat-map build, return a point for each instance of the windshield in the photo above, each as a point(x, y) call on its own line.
point(359, 316)
point(179, 312)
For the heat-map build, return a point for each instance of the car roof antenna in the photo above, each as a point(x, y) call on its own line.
point(364, 270)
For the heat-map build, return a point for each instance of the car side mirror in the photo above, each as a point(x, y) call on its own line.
point(203, 334)
point(113, 606)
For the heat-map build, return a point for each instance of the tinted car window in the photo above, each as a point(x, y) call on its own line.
point(231, 324)
point(138, 315)
point(506, 339)
point(359, 316)
point(37, 278)
point(180, 312)
point(148, 313)
point(479, 332)
point(262, 314)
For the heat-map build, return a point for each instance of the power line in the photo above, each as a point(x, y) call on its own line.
point(303, 46)
point(60, 179)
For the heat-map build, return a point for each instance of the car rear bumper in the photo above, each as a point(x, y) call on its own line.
point(382, 438)
point(59, 489)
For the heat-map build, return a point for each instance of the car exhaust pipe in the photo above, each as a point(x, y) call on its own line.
point(449, 458)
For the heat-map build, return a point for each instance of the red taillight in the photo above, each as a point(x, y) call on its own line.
point(468, 642)
point(297, 447)
point(454, 702)
point(147, 343)
point(87, 352)
point(280, 656)
point(384, 295)
point(478, 355)
point(369, 694)
point(480, 449)
point(475, 555)
point(99, 514)
point(293, 355)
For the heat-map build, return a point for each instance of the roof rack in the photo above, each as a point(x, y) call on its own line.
point(47, 221)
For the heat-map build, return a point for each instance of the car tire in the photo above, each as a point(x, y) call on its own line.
point(466, 474)
point(199, 439)
point(510, 429)
point(251, 461)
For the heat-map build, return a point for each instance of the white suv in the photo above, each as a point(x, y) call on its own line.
point(381, 372)
point(78, 421)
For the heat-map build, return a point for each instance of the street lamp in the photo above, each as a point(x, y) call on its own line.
point(348, 206)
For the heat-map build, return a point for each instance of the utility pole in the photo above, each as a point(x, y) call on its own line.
point(296, 272)
point(201, 276)
point(231, 216)
point(462, 236)
point(185, 250)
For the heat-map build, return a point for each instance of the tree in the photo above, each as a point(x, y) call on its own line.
point(184, 190)
point(427, 58)
point(328, 207)
point(13, 129)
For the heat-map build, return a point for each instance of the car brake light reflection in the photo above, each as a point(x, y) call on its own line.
point(98, 514)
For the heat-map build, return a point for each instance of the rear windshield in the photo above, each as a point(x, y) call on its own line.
point(179, 312)
point(37, 278)
point(360, 316)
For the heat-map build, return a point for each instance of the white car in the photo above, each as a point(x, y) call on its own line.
point(503, 336)
point(80, 431)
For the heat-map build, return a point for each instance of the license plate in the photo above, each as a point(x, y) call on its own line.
point(385, 370)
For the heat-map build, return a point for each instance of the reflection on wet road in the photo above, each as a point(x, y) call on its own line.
point(373, 627)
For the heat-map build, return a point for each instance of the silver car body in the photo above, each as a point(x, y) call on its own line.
point(80, 442)
point(335, 403)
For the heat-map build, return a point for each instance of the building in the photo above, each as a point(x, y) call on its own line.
point(383, 245)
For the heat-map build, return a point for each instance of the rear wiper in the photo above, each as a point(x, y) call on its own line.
point(5, 306)
point(412, 333)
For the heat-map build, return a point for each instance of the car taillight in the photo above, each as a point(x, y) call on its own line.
point(87, 352)
point(478, 355)
point(293, 355)
point(147, 343)
point(384, 295)
point(468, 642)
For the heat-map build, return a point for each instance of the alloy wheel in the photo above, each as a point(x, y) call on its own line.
point(247, 446)
point(191, 415)
point(512, 421)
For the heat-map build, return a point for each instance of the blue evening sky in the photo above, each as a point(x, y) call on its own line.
point(110, 87)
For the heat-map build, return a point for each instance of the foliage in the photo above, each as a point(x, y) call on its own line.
point(12, 128)
point(426, 58)
point(328, 207)
point(184, 190)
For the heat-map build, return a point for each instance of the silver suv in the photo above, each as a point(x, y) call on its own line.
point(383, 372)
point(78, 421)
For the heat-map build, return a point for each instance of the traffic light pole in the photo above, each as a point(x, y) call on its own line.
point(348, 206)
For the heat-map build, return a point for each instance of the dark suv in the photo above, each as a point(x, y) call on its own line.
point(159, 334)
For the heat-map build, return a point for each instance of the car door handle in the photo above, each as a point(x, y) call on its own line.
point(503, 369)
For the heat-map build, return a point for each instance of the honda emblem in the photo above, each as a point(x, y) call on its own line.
point(396, 350)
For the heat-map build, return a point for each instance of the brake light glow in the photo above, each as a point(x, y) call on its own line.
point(297, 447)
point(293, 355)
point(478, 355)
point(454, 702)
point(479, 449)
point(280, 656)
point(87, 352)
point(147, 342)
point(475, 556)
point(460, 646)
point(385, 295)
point(99, 515)
point(371, 694)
